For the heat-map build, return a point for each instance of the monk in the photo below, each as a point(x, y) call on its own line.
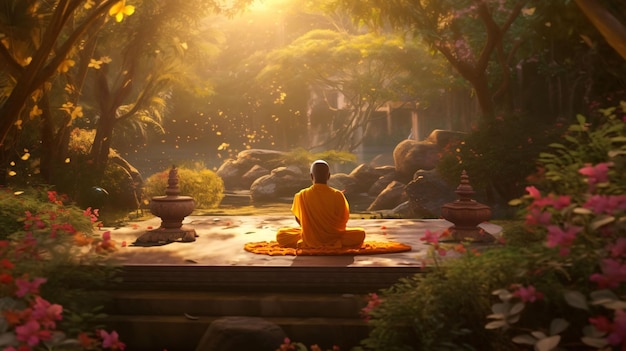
point(322, 213)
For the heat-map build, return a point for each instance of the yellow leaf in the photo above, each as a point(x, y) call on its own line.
point(88, 4)
point(66, 65)
point(18, 124)
point(120, 9)
point(35, 111)
point(12, 173)
point(12, 163)
point(105, 59)
point(25, 157)
point(77, 112)
point(18, 193)
point(67, 160)
point(94, 64)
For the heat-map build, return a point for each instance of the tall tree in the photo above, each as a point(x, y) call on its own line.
point(475, 36)
point(367, 70)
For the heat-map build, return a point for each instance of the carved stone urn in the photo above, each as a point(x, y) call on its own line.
point(172, 209)
point(466, 214)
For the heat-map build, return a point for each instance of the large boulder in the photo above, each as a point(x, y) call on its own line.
point(387, 175)
point(344, 182)
point(389, 198)
point(241, 333)
point(410, 155)
point(427, 192)
point(232, 171)
point(365, 176)
point(281, 182)
point(256, 172)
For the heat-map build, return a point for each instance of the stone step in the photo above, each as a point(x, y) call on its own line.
point(251, 304)
point(180, 333)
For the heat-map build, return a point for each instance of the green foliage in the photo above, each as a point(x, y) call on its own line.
point(445, 309)
point(15, 203)
point(586, 142)
point(303, 158)
point(555, 282)
point(499, 156)
point(206, 187)
point(57, 242)
point(581, 211)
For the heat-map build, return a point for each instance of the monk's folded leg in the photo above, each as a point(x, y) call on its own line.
point(289, 237)
point(353, 237)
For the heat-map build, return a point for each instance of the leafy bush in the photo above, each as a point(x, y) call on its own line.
point(52, 272)
point(557, 284)
point(303, 158)
point(15, 203)
point(581, 210)
point(499, 155)
point(206, 187)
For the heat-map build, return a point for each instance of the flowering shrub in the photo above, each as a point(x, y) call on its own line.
point(555, 283)
point(50, 252)
point(204, 185)
point(582, 211)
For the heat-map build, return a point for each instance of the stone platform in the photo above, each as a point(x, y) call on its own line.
point(217, 260)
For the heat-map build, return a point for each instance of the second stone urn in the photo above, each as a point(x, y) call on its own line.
point(172, 209)
point(466, 214)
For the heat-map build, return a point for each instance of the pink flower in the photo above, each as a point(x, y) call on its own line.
point(561, 202)
point(534, 192)
point(596, 174)
point(47, 314)
point(528, 294)
point(111, 340)
point(618, 333)
point(563, 238)
point(31, 333)
point(601, 323)
point(613, 273)
point(618, 248)
point(607, 204)
point(25, 287)
point(372, 302)
point(430, 237)
point(538, 217)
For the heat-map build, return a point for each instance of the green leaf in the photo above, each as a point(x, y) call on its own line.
point(7, 339)
point(594, 342)
point(602, 221)
point(548, 344)
point(515, 202)
point(592, 332)
point(600, 297)
point(500, 308)
point(615, 153)
point(581, 119)
point(517, 308)
point(576, 299)
point(558, 325)
point(496, 324)
point(526, 339)
point(582, 211)
point(558, 146)
point(539, 334)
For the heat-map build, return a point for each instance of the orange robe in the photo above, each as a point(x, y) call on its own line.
point(323, 213)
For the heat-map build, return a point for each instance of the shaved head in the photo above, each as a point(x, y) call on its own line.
point(320, 171)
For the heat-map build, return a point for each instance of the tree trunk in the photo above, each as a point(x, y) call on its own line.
point(610, 27)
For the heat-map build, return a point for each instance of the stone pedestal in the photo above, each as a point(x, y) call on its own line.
point(466, 214)
point(172, 209)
